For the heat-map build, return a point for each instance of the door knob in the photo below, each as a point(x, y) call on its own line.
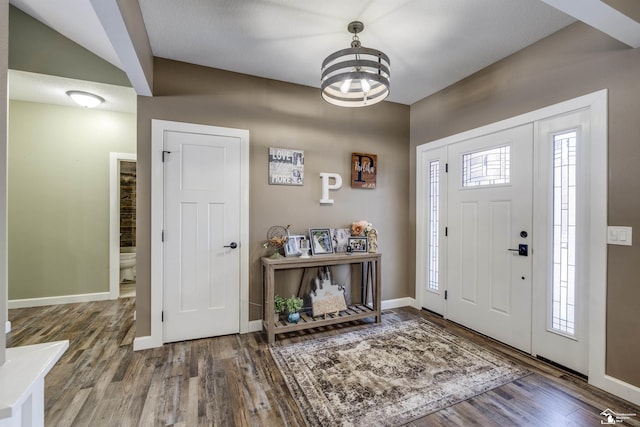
point(523, 250)
point(231, 245)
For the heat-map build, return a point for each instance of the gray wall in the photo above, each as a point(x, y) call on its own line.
point(59, 197)
point(572, 62)
point(280, 114)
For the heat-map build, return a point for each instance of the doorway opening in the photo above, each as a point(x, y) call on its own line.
point(122, 229)
point(447, 195)
point(160, 128)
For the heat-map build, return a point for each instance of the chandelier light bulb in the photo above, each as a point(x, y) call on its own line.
point(345, 86)
point(366, 87)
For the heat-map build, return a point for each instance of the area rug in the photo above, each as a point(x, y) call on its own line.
point(387, 375)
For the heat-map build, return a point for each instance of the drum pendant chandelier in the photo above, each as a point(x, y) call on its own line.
point(355, 77)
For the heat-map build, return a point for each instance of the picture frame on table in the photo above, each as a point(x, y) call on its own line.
point(293, 247)
point(321, 241)
point(358, 244)
point(340, 239)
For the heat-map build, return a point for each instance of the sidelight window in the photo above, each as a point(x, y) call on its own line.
point(433, 281)
point(564, 233)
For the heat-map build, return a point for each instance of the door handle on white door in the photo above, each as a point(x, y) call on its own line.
point(231, 245)
point(523, 250)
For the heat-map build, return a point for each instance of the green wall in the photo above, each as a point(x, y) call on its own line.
point(36, 48)
point(59, 197)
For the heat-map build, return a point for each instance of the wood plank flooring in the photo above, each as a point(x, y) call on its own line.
point(233, 381)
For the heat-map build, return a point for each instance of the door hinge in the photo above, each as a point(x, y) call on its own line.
point(446, 294)
point(164, 152)
point(446, 232)
point(162, 236)
point(162, 316)
point(446, 168)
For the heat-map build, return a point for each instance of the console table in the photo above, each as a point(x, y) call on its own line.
point(361, 310)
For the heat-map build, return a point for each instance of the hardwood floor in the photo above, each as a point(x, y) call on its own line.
point(232, 380)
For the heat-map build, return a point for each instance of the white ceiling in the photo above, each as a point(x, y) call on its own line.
point(431, 43)
point(46, 89)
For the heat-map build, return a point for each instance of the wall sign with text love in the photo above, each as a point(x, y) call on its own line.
point(286, 166)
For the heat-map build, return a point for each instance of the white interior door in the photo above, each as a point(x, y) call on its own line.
point(490, 215)
point(560, 326)
point(201, 222)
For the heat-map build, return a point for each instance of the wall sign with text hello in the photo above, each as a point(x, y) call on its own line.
point(364, 168)
point(286, 166)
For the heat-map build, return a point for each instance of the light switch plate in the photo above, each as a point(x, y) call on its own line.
point(619, 235)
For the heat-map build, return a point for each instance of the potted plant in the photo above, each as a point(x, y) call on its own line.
point(294, 304)
point(279, 304)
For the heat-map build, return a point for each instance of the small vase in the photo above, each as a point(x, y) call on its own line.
point(294, 317)
point(276, 316)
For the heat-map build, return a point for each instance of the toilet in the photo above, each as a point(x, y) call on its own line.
point(127, 264)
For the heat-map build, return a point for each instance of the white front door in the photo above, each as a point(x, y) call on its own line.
point(560, 293)
point(490, 215)
point(202, 201)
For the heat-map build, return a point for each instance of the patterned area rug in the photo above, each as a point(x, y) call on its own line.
point(387, 375)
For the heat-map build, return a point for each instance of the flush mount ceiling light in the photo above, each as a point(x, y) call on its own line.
point(85, 99)
point(356, 77)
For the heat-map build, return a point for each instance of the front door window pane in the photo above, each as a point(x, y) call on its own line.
point(487, 167)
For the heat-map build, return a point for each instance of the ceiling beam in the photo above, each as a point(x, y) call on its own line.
point(602, 17)
point(124, 25)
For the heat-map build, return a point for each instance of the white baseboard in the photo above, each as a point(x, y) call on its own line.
point(64, 299)
point(255, 326)
point(398, 302)
point(7, 327)
point(144, 343)
point(617, 387)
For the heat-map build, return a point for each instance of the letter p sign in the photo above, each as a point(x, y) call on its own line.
point(325, 176)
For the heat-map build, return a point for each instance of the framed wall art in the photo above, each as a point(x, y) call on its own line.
point(286, 166)
point(364, 168)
